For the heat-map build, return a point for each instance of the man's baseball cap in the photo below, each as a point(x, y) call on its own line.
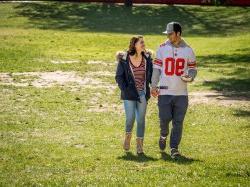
point(173, 27)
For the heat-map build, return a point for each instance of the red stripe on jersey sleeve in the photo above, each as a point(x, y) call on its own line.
point(157, 62)
point(192, 64)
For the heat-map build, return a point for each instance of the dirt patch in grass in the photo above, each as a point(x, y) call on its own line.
point(64, 61)
point(49, 79)
point(99, 62)
point(219, 98)
point(100, 73)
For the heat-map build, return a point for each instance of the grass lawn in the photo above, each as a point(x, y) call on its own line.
point(61, 120)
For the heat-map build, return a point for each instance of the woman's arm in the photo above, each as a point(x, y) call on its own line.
point(148, 54)
point(150, 68)
point(120, 75)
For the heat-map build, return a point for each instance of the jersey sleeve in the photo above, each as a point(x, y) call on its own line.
point(191, 61)
point(158, 60)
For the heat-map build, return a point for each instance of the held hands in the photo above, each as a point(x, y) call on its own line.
point(154, 92)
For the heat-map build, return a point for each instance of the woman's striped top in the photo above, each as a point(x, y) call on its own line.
point(139, 74)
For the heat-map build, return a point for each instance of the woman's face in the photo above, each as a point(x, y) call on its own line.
point(140, 45)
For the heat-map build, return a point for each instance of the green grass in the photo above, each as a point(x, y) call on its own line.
point(49, 137)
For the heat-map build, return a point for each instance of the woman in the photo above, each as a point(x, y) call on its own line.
point(133, 76)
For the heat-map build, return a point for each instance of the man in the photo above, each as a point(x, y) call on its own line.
point(173, 68)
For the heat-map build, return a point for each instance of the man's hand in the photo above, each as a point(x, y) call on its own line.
point(154, 92)
point(187, 78)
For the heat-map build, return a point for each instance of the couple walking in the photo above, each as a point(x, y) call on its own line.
point(165, 77)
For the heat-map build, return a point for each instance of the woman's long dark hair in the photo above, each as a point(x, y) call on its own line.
point(133, 41)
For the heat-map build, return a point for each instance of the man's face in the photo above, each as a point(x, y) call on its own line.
point(173, 37)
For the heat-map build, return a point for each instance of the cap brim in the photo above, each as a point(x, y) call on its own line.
point(166, 32)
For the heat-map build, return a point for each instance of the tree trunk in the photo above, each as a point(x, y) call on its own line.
point(128, 3)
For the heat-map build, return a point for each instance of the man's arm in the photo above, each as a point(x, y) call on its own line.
point(155, 77)
point(192, 70)
point(157, 65)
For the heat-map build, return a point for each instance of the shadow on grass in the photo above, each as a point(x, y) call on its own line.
point(242, 113)
point(235, 78)
point(232, 89)
point(180, 160)
point(237, 59)
point(164, 156)
point(239, 86)
point(196, 20)
point(137, 158)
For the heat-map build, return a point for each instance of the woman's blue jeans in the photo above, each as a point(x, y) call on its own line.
point(136, 110)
